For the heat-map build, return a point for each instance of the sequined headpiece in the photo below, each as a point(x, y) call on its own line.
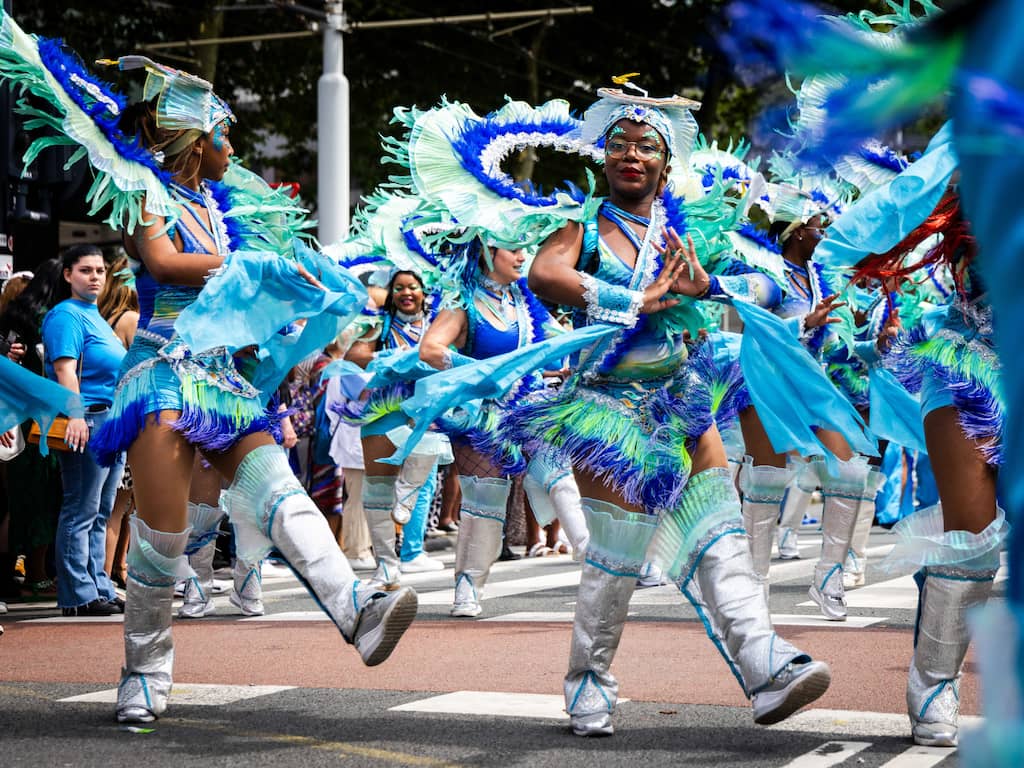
point(184, 101)
point(672, 117)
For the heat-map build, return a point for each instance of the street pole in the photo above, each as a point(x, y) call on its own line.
point(332, 132)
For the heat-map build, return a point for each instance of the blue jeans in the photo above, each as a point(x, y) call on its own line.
point(81, 545)
point(416, 528)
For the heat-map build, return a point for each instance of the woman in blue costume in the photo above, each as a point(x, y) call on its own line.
point(157, 164)
point(951, 359)
point(647, 456)
point(495, 313)
point(391, 494)
point(768, 476)
point(163, 427)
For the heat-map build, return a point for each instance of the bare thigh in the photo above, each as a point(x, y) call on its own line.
point(758, 446)
point(227, 462)
point(161, 461)
point(966, 484)
point(835, 442)
point(205, 484)
point(378, 447)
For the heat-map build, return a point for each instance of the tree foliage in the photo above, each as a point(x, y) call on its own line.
point(273, 83)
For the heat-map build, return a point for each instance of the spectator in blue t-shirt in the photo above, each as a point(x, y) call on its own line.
point(84, 355)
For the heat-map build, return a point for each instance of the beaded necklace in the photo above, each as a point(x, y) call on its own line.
point(203, 198)
point(407, 330)
point(497, 299)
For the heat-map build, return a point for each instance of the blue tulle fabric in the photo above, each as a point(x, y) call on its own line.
point(791, 393)
point(487, 379)
point(24, 395)
point(895, 413)
point(254, 298)
point(884, 216)
point(387, 367)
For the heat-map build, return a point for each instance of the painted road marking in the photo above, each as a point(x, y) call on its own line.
point(919, 757)
point(117, 618)
point(290, 616)
point(817, 620)
point(491, 703)
point(509, 587)
point(896, 594)
point(197, 694)
point(848, 722)
point(829, 753)
point(778, 619)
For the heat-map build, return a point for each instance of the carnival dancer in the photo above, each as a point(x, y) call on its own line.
point(157, 164)
point(491, 311)
point(391, 493)
point(950, 357)
point(664, 454)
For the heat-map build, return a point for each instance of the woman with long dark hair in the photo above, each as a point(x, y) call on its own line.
point(84, 355)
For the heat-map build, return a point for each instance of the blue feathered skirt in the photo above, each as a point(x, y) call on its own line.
point(635, 436)
point(218, 405)
point(954, 363)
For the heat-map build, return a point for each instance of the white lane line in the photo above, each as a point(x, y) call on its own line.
point(491, 703)
point(508, 587)
point(896, 594)
point(290, 616)
point(197, 694)
point(534, 616)
point(117, 618)
point(919, 757)
point(817, 620)
point(778, 619)
point(848, 722)
point(792, 570)
point(829, 753)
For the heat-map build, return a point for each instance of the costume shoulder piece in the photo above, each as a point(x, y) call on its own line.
point(454, 160)
point(84, 112)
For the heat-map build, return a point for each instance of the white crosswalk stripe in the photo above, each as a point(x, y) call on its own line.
point(829, 753)
point(919, 757)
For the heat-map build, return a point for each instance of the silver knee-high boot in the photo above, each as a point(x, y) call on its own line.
point(615, 556)
point(479, 543)
point(411, 477)
point(843, 490)
point(763, 489)
point(269, 508)
point(856, 565)
point(795, 504)
point(940, 644)
point(247, 594)
point(378, 504)
point(712, 567)
point(202, 544)
point(551, 488)
point(156, 560)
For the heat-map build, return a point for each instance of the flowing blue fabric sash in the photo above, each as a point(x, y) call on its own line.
point(790, 390)
point(895, 413)
point(254, 297)
point(24, 395)
point(487, 379)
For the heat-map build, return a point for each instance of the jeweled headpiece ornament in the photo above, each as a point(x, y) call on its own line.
point(671, 116)
point(184, 101)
